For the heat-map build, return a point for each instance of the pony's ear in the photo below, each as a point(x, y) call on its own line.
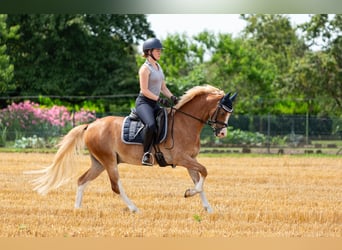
point(225, 99)
point(232, 98)
point(226, 103)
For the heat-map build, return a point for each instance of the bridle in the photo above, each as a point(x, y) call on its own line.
point(212, 121)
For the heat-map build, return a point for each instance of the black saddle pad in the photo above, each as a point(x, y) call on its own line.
point(132, 128)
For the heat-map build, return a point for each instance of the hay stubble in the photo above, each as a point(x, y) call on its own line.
point(251, 196)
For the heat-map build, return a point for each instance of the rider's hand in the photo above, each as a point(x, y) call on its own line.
point(164, 102)
point(174, 99)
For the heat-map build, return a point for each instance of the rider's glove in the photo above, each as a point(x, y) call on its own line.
point(174, 99)
point(164, 102)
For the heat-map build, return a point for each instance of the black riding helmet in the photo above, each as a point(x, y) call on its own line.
point(150, 44)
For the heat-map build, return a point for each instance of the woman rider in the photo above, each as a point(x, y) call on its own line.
point(152, 83)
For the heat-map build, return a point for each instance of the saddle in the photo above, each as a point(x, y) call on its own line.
point(132, 133)
point(133, 127)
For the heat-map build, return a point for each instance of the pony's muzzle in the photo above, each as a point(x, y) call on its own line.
point(221, 132)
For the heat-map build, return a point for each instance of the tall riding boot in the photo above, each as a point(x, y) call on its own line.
point(148, 141)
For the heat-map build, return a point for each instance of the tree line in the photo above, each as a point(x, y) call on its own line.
point(93, 59)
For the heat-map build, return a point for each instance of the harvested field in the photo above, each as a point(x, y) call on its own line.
point(252, 196)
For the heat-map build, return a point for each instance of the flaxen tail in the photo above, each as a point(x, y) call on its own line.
point(61, 170)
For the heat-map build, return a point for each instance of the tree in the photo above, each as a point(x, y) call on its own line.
point(182, 63)
point(277, 42)
point(237, 65)
point(307, 78)
point(322, 30)
point(76, 55)
point(327, 29)
point(275, 37)
point(6, 68)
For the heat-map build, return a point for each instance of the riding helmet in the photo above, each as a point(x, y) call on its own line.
point(152, 43)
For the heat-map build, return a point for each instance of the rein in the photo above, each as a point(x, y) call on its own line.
point(187, 114)
point(210, 121)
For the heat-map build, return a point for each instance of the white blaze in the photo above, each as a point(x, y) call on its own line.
point(223, 131)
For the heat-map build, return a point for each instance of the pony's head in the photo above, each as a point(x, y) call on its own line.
point(219, 120)
point(218, 114)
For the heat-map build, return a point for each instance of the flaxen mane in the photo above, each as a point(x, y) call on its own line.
point(198, 90)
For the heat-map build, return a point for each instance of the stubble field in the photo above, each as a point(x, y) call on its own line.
point(280, 196)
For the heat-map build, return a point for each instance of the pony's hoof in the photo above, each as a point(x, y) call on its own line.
point(134, 210)
point(187, 193)
point(209, 210)
point(131, 210)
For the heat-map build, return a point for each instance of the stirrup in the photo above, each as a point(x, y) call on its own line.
point(147, 159)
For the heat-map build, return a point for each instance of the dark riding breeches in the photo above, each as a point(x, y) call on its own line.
point(147, 110)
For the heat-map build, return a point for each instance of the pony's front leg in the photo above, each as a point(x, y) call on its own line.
point(117, 187)
point(125, 198)
point(205, 202)
point(199, 181)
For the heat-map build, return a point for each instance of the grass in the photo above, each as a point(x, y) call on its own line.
point(283, 196)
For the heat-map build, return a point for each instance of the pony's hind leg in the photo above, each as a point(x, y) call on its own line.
point(94, 171)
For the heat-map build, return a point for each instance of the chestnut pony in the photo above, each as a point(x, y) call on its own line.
point(198, 106)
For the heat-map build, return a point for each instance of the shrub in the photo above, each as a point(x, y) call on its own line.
point(30, 142)
point(3, 135)
point(240, 137)
point(27, 118)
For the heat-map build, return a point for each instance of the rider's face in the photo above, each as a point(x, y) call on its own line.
point(156, 53)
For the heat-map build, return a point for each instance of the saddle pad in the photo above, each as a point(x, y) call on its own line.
point(132, 129)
